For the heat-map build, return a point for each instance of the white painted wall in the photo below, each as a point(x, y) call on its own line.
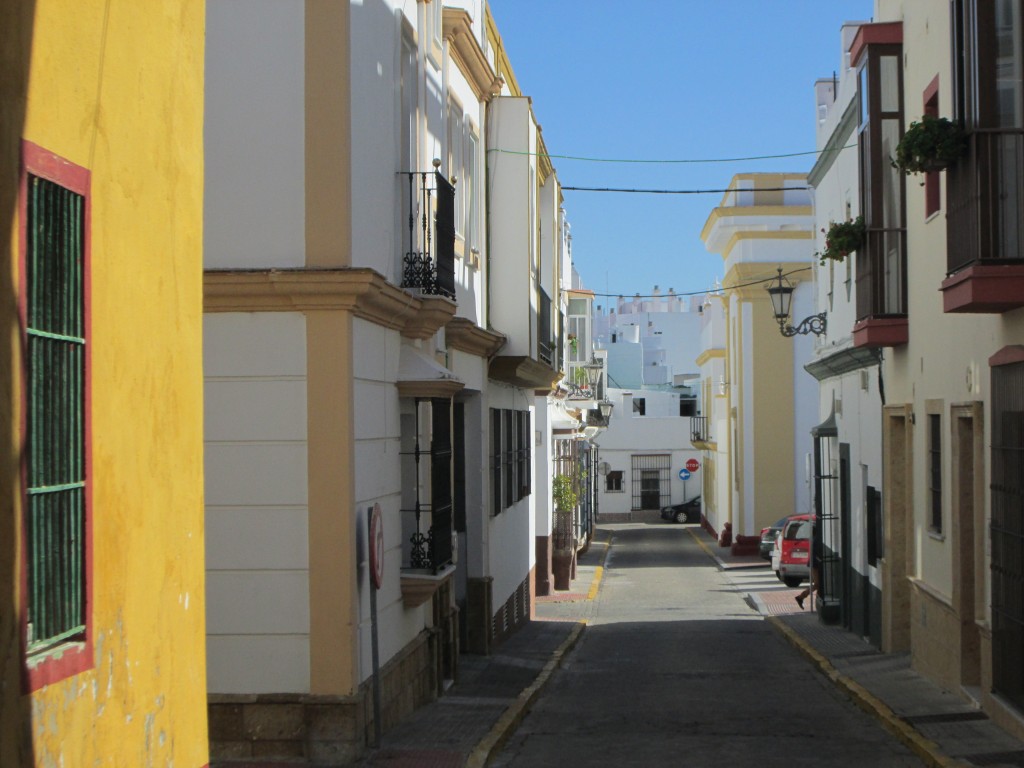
point(254, 198)
point(257, 572)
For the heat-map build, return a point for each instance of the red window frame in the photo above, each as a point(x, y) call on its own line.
point(76, 656)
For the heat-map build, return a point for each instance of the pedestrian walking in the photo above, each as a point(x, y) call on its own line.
point(816, 558)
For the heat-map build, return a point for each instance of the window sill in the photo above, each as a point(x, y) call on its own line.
point(935, 535)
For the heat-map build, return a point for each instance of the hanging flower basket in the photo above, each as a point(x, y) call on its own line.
point(842, 238)
point(931, 144)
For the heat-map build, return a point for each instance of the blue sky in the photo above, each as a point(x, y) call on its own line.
point(667, 80)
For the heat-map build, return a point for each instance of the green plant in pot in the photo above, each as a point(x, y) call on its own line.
point(930, 144)
point(842, 238)
point(564, 494)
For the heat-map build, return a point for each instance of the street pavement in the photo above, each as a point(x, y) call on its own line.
point(667, 650)
point(676, 668)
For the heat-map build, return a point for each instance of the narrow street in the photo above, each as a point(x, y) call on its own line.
point(675, 668)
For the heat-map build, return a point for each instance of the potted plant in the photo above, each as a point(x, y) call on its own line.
point(572, 342)
point(842, 238)
point(930, 144)
point(564, 495)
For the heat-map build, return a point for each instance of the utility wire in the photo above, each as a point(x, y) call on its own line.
point(702, 292)
point(670, 161)
point(682, 191)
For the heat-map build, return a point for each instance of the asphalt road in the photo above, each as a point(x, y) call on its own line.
point(675, 669)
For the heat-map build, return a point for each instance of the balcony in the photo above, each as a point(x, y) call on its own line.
point(699, 432)
point(429, 262)
point(985, 225)
point(882, 289)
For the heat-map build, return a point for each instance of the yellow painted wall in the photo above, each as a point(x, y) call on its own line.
point(117, 87)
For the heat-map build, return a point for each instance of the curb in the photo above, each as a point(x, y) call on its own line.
point(517, 710)
point(925, 749)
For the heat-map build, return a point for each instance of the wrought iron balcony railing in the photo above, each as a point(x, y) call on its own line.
point(699, 429)
point(430, 541)
point(985, 200)
point(429, 262)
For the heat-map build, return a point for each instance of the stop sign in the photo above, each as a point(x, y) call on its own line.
point(692, 464)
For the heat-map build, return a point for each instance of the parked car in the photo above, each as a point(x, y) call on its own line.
point(795, 550)
point(768, 537)
point(684, 512)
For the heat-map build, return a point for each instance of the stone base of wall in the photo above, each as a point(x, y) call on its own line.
point(328, 729)
point(934, 637)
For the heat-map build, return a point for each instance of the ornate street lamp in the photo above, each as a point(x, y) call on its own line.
point(780, 291)
point(605, 407)
point(593, 370)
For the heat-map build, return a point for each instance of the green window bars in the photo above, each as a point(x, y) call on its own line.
point(56, 471)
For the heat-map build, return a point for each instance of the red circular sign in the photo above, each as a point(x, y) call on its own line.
point(692, 465)
point(376, 547)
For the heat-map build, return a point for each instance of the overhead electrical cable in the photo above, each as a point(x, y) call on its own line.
point(762, 281)
point(670, 161)
point(682, 191)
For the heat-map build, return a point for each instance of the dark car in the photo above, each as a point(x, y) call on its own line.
point(684, 512)
point(768, 537)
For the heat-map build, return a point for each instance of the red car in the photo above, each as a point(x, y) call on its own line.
point(795, 555)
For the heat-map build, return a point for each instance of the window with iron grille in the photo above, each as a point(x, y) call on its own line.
point(651, 481)
point(523, 454)
point(1007, 530)
point(496, 462)
point(935, 471)
point(56, 413)
point(510, 457)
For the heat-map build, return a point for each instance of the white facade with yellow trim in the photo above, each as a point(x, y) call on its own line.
point(764, 222)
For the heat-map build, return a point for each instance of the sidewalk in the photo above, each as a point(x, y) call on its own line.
point(470, 723)
point(940, 727)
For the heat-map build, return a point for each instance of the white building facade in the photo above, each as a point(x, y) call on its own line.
point(652, 345)
point(361, 375)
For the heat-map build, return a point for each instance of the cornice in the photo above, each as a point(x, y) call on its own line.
point(728, 212)
point(749, 280)
point(777, 234)
point(457, 26)
point(428, 388)
point(835, 144)
point(361, 291)
point(523, 371)
point(466, 336)
point(502, 63)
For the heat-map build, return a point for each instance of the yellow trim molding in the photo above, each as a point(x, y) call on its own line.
point(710, 354)
point(736, 211)
point(361, 291)
point(502, 63)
